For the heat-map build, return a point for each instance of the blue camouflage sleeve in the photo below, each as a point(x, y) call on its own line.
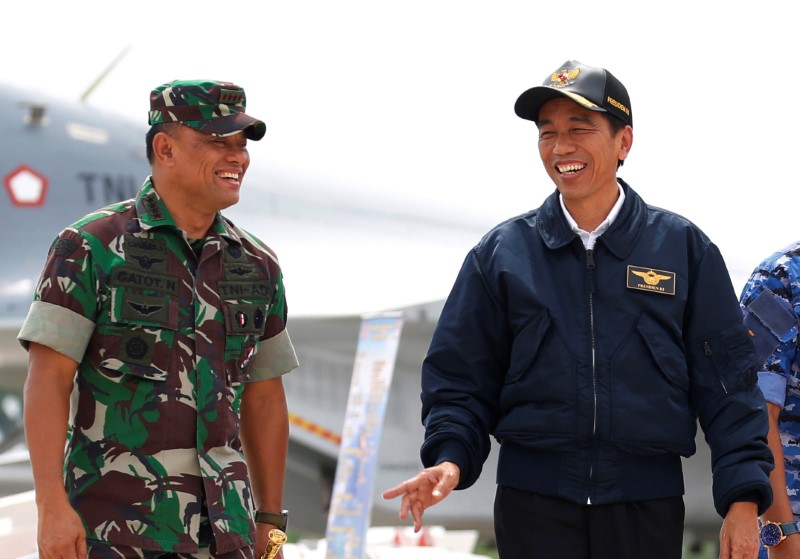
point(770, 301)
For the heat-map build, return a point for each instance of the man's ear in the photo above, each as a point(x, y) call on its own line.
point(627, 142)
point(162, 147)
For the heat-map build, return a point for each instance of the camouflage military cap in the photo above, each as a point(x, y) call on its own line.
point(211, 107)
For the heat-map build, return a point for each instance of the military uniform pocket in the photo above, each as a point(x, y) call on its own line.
point(244, 326)
point(144, 309)
point(139, 339)
point(139, 351)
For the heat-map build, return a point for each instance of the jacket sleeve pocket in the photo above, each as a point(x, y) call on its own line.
point(725, 363)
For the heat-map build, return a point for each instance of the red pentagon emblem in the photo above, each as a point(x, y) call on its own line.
point(26, 187)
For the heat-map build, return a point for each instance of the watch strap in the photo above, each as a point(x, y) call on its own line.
point(789, 528)
point(279, 519)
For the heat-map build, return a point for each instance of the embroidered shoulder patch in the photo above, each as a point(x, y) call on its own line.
point(649, 279)
point(64, 247)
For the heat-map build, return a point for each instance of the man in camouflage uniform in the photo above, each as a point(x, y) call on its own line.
point(175, 320)
point(771, 305)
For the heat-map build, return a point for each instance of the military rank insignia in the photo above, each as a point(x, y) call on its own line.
point(241, 319)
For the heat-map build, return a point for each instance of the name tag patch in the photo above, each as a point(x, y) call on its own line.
point(261, 290)
point(130, 277)
point(148, 255)
point(650, 279)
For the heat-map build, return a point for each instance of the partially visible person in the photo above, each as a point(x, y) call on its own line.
point(588, 337)
point(770, 302)
point(175, 321)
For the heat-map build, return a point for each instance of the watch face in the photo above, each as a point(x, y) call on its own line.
point(771, 534)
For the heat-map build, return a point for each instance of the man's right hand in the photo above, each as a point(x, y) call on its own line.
point(424, 490)
point(61, 534)
point(46, 412)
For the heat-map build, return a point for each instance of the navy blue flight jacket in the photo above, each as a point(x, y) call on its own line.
point(591, 368)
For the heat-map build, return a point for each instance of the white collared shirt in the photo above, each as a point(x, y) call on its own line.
point(590, 238)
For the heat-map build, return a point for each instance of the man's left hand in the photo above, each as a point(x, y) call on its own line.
point(738, 537)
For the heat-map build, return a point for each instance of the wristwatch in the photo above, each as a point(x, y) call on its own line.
point(773, 533)
point(279, 519)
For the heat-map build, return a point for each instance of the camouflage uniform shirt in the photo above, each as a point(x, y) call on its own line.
point(165, 339)
point(771, 305)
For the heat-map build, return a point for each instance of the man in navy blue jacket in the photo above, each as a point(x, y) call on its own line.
point(588, 336)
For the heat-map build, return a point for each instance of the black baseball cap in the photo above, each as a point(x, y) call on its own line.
point(594, 88)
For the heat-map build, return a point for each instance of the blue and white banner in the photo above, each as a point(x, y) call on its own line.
point(351, 503)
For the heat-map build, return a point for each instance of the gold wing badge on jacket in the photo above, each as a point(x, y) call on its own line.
point(649, 279)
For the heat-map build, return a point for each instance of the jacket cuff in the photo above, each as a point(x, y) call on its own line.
point(450, 451)
point(761, 495)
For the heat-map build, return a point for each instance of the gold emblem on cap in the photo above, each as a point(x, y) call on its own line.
point(564, 78)
point(648, 279)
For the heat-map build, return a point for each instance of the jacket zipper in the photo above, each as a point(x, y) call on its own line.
point(590, 270)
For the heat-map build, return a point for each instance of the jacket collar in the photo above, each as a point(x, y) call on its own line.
point(620, 237)
point(152, 212)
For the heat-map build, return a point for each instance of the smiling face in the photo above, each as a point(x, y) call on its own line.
point(207, 170)
point(197, 174)
point(580, 151)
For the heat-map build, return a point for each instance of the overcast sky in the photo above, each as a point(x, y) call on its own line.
point(415, 98)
